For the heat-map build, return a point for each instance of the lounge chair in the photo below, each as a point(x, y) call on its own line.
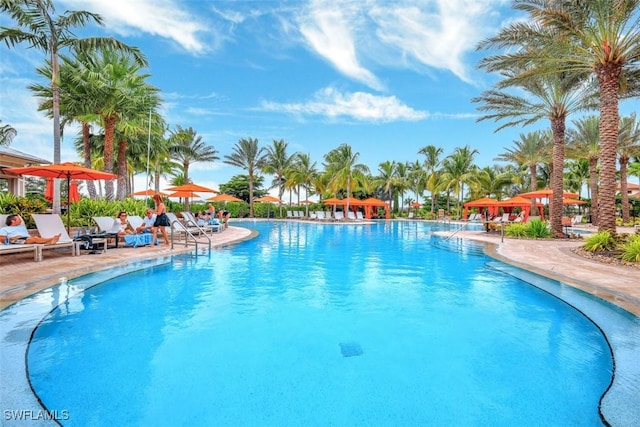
point(289, 214)
point(178, 228)
point(576, 220)
point(18, 247)
point(359, 216)
point(410, 215)
point(351, 216)
point(338, 216)
point(106, 226)
point(320, 215)
point(50, 225)
point(191, 221)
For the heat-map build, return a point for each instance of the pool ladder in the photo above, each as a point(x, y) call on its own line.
point(181, 228)
point(456, 231)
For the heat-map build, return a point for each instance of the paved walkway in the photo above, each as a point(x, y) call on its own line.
point(554, 259)
point(20, 276)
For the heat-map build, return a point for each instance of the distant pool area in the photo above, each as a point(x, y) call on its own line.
point(384, 276)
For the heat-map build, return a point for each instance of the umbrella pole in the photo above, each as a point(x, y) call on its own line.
point(68, 202)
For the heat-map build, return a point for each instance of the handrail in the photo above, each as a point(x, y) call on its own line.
point(458, 229)
point(202, 230)
point(186, 232)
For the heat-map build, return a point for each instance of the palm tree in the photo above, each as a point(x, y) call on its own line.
point(628, 146)
point(7, 133)
point(458, 170)
point(553, 97)
point(532, 149)
point(120, 92)
point(385, 179)
point(302, 172)
point(584, 143)
point(248, 156)
point(277, 162)
point(577, 175)
point(491, 181)
point(599, 38)
point(40, 29)
point(431, 164)
point(343, 170)
point(187, 147)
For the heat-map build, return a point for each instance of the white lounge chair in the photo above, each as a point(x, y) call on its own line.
point(191, 221)
point(51, 224)
point(576, 220)
point(338, 215)
point(359, 216)
point(18, 247)
point(179, 228)
point(351, 216)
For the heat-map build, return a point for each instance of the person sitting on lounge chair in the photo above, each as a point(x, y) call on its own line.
point(121, 226)
point(15, 232)
point(147, 222)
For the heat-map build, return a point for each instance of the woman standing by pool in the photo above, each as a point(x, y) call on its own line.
point(162, 221)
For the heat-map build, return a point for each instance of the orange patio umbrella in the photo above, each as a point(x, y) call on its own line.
point(224, 198)
point(66, 170)
point(192, 187)
point(268, 199)
point(183, 193)
point(149, 192)
point(332, 201)
point(73, 193)
point(547, 193)
point(573, 202)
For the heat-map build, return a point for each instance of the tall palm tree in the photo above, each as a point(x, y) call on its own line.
point(385, 178)
point(7, 133)
point(459, 170)
point(248, 156)
point(41, 29)
point(187, 147)
point(490, 181)
point(277, 162)
point(532, 149)
point(577, 175)
point(302, 172)
point(553, 97)
point(598, 38)
point(628, 146)
point(431, 163)
point(583, 142)
point(344, 171)
point(120, 91)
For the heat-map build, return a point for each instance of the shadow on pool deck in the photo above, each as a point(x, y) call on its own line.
point(21, 276)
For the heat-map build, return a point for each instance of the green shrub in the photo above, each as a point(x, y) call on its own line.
point(601, 241)
point(516, 229)
point(538, 229)
point(631, 249)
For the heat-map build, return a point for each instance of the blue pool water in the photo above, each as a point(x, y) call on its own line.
point(312, 324)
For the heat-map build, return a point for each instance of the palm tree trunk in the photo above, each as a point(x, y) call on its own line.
point(122, 190)
point(593, 185)
point(109, 135)
point(557, 184)
point(608, 77)
point(533, 168)
point(86, 148)
point(623, 188)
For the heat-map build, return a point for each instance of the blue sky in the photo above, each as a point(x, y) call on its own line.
point(386, 77)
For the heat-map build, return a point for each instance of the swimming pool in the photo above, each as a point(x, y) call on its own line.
point(321, 324)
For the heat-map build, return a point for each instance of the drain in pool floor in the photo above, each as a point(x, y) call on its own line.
point(349, 349)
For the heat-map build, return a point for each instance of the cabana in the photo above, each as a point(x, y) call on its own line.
point(519, 202)
point(485, 202)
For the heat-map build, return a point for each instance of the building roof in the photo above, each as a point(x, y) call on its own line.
point(10, 158)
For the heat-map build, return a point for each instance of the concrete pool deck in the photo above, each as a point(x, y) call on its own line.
point(20, 276)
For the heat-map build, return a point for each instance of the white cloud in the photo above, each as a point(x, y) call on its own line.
point(164, 18)
point(327, 29)
point(358, 105)
point(438, 34)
